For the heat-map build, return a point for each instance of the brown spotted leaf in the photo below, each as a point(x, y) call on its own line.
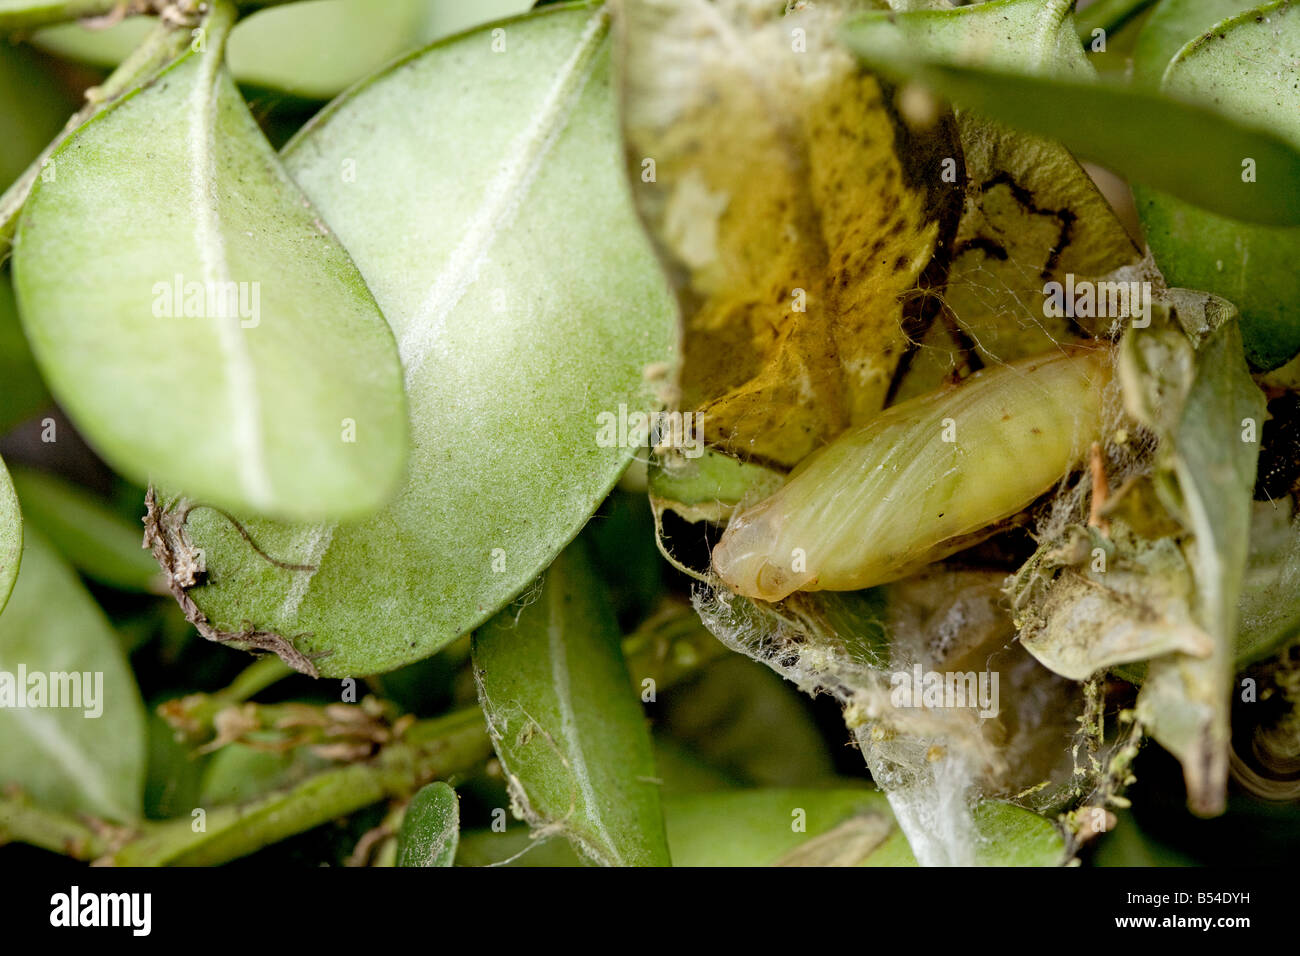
point(793, 210)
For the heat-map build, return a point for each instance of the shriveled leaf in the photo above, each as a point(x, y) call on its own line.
point(1208, 427)
point(565, 719)
point(1190, 149)
point(791, 206)
point(11, 535)
point(312, 50)
point(197, 319)
point(527, 304)
point(87, 755)
point(1032, 215)
point(1246, 66)
point(431, 828)
point(98, 543)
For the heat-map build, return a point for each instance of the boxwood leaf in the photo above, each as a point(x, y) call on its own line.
point(431, 827)
point(88, 758)
point(312, 50)
point(194, 315)
point(1247, 66)
point(527, 303)
point(565, 719)
point(1190, 149)
point(11, 535)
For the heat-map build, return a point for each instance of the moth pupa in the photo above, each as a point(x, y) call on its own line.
point(919, 481)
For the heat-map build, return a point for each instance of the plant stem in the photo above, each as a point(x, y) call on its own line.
point(23, 822)
point(23, 16)
point(430, 750)
point(1108, 15)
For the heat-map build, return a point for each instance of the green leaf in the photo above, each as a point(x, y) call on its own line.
point(840, 827)
point(565, 720)
point(796, 827)
point(312, 50)
point(88, 758)
point(11, 535)
point(1172, 25)
point(279, 390)
point(430, 829)
point(98, 543)
point(527, 303)
point(1188, 149)
point(1246, 66)
point(23, 393)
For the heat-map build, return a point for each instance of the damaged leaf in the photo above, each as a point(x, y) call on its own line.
point(1208, 429)
point(565, 720)
point(1247, 66)
point(207, 331)
point(528, 310)
point(1032, 215)
point(793, 210)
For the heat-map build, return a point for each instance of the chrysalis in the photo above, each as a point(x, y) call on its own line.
point(920, 480)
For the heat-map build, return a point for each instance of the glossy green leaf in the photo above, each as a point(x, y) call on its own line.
point(22, 392)
point(526, 302)
point(11, 535)
point(431, 828)
point(96, 540)
point(565, 719)
point(312, 49)
point(56, 647)
point(1248, 67)
point(213, 337)
point(1188, 149)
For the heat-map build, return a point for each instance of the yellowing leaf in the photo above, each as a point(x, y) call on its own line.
point(791, 208)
